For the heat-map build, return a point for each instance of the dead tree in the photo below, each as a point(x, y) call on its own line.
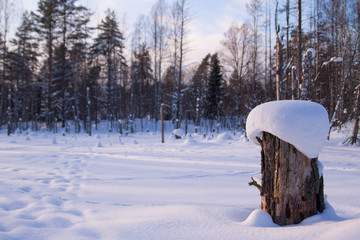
point(291, 187)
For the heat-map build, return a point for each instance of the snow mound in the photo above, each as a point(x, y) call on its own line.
point(224, 137)
point(259, 218)
point(304, 124)
point(99, 144)
point(178, 132)
point(243, 138)
point(190, 141)
point(188, 135)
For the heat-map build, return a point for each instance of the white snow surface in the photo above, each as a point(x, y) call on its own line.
point(304, 124)
point(139, 188)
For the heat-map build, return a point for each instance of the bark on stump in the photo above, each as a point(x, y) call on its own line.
point(291, 187)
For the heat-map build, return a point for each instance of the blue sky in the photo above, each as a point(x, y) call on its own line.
point(209, 18)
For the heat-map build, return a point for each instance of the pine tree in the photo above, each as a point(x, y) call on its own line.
point(6, 10)
point(46, 19)
point(79, 58)
point(60, 85)
point(215, 91)
point(25, 61)
point(109, 45)
point(92, 96)
point(2, 97)
point(73, 31)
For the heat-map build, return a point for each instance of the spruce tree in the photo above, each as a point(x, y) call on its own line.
point(167, 88)
point(215, 91)
point(200, 84)
point(142, 75)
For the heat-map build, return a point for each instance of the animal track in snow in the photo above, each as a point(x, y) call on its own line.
point(55, 201)
point(11, 205)
point(25, 189)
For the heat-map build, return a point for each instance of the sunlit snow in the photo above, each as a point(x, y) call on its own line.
point(134, 187)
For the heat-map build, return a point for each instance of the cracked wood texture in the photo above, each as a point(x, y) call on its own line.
point(291, 187)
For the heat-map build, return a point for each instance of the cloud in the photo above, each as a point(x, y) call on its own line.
point(203, 39)
point(242, 2)
point(210, 23)
point(202, 45)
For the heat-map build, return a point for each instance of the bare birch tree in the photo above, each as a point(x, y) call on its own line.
point(159, 37)
point(236, 55)
point(254, 9)
point(180, 19)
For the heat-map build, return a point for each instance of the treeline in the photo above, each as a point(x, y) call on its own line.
point(59, 69)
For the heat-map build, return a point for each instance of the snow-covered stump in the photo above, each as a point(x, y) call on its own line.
point(178, 133)
point(291, 135)
point(291, 187)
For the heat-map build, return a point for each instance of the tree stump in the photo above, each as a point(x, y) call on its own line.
point(291, 187)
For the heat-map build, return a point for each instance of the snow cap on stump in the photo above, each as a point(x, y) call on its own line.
point(178, 133)
point(303, 124)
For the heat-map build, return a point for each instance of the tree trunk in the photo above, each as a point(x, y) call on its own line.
point(291, 187)
point(279, 69)
point(354, 136)
point(299, 67)
point(162, 123)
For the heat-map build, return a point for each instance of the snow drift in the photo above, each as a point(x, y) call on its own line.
point(259, 218)
point(304, 124)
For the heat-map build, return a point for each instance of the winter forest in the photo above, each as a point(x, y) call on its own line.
point(58, 69)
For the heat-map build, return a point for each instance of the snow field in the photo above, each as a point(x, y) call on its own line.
point(98, 187)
